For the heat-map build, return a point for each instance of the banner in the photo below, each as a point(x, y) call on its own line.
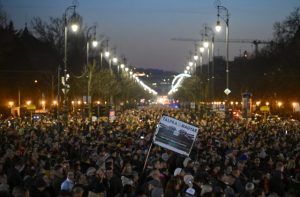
point(175, 135)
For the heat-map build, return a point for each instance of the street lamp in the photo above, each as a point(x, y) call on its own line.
point(279, 104)
point(43, 104)
point(115, 60)
point(90, 39)
point(201, 49)
point(205, 43)
point(225, 17)
point(90, 69)
point(28, 102)
point(211, 57)
point(73, 22)
point(294, 104)
point(10, 104)
point(98, 110)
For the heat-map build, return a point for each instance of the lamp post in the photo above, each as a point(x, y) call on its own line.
point(90, 39)
point(73, 21)
point(201, 49)
point(98, 109)
point(225, 17)
point(90, 69)
point(209, 29)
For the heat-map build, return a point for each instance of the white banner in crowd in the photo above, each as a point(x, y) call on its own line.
point(175, 135)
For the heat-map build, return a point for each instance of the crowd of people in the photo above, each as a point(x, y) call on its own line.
point(102, 158)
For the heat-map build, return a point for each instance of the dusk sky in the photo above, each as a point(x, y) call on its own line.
point(142, 30)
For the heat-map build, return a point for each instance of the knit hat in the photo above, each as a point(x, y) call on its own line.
point(188, 179)
point(90, 171)
point(157, 192)
point(177, 171)
point(186, 161)
point(249, 186)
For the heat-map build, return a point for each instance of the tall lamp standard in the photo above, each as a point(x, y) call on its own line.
point(225, 17)
point(73, 22)
point(201, 49)
point(90, 39)
point(209, 29)
point(90, 69)
point(205, 44)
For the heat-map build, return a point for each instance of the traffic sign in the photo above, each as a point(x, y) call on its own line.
point(31, 107)
point(265, 108)
point(227, 91)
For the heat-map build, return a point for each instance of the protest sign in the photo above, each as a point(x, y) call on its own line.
point(175, 135)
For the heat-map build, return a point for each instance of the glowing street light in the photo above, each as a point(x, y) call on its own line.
point(279, 104)
point(294, 104)
point(218, 26)
point(43, 104)
point(257, 103)
point(201, 49)
point(10, 104)
point(267, 103)
point(95, 43)
point(90, 39)
point(28, 102)
point(115, 60)
point(75, 27)
point(196, 57)
point(205, 44)
point(106, 54)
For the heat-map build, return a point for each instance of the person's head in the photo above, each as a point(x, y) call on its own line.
point(77, 191)
point(3, 178)
point(270, 161)
point(156, 164)
point(155, 174)
point(71, 175)
point(127, 169)
point(40, 184)
point(59, 169)
point(64, 193)
point(91, 171)
point(259, 192)
point(19, 191)
point(250, 187)
point(153, 184)
point(279, 166)
point(109, 172)
point(100, 173)
point(257, 161)
point(174, 184)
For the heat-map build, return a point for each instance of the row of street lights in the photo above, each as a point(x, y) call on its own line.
point(207, 43)
point(71, 21)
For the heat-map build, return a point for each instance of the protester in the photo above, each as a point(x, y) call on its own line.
point(102, 158)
